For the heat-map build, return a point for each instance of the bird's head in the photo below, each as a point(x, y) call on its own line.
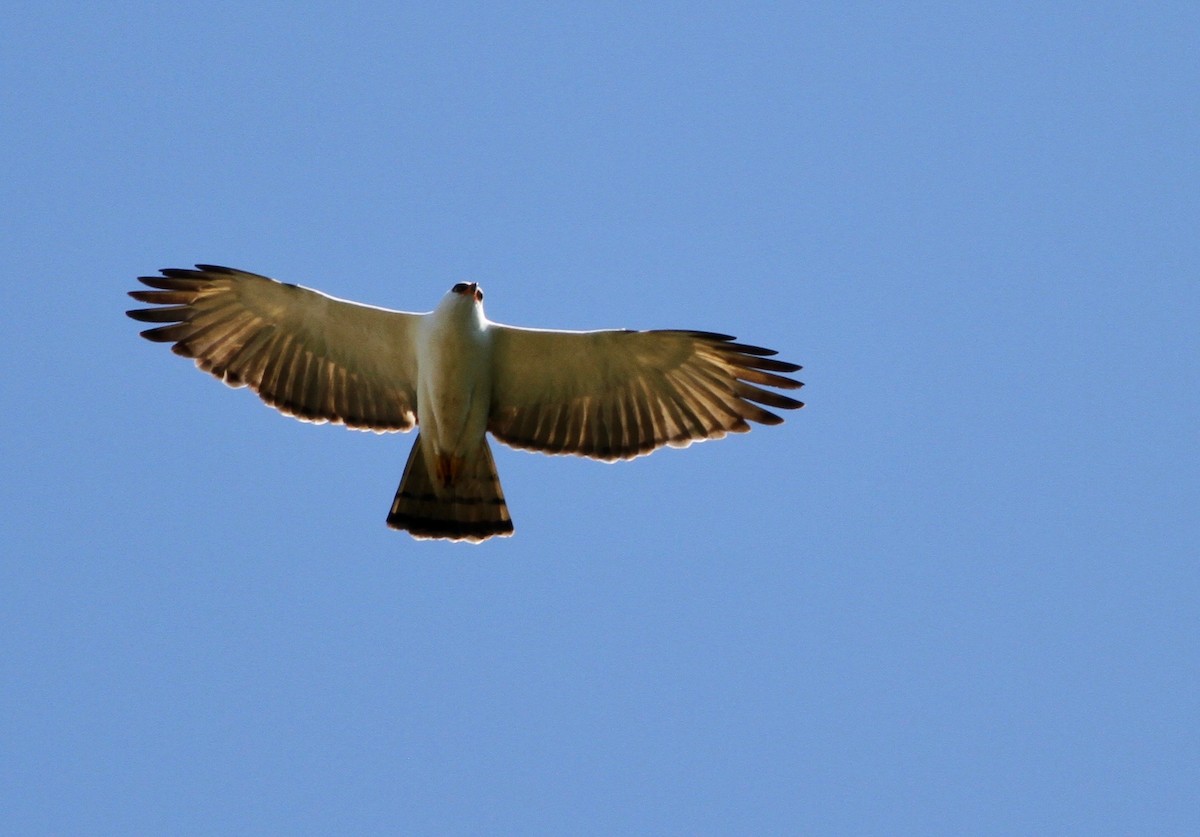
point(470, 290)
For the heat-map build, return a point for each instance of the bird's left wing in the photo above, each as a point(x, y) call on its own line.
point(619, 394)
point(306, 354)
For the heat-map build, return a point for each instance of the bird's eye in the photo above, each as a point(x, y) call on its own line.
point(460, 288)
point(478, 295)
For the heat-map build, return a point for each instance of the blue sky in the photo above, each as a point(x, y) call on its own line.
point(955, 594)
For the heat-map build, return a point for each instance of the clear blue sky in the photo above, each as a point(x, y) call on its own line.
point(957, 594)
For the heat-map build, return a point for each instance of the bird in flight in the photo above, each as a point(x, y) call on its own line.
point(607, 395)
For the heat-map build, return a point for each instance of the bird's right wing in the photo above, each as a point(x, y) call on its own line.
point(619, 394)
point(306, 354)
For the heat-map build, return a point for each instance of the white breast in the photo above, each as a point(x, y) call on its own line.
point(454, 377)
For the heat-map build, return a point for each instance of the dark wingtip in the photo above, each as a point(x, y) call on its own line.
point(746, 349)
point(163, 334)
point(234, 271)
point(147, 315)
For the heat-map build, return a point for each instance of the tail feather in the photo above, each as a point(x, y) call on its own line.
point(472, 508)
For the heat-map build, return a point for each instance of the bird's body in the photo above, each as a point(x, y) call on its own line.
point(603, 394)
point(451, 459)
point(454, 383)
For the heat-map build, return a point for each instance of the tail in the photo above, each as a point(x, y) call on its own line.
point(472, 510)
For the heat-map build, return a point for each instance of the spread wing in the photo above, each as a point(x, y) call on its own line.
point(306, 354)
point(619, 394)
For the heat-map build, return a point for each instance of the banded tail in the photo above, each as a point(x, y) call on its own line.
point(472, 510)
